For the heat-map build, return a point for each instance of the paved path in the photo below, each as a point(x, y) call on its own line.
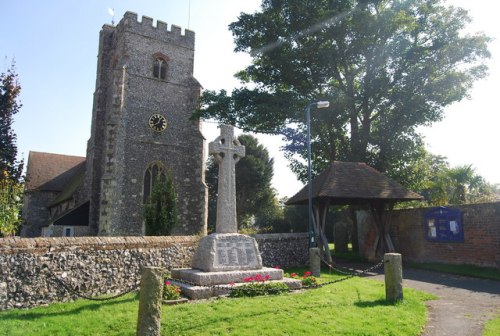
point(464, 303)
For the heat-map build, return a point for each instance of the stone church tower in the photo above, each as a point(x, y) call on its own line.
point(141, 129)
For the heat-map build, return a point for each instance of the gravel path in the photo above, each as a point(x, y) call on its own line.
point(464, 303)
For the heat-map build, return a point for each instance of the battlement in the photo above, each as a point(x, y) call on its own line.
point(146, 26)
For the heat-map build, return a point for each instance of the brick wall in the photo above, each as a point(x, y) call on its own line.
point(481, 245)
point(98, 265)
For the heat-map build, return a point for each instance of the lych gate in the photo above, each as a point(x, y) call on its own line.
point(354, 183)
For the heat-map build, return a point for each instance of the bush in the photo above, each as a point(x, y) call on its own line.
point(308, 280)
point(258, 286)
point(171, 292)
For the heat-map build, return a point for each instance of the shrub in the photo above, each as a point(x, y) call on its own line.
point(257, 285)
point(171, 292)
point(308, 280)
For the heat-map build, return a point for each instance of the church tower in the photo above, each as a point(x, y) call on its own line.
point(141, 128)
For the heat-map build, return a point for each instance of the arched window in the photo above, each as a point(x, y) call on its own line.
point(153, 173)
point(160, 67)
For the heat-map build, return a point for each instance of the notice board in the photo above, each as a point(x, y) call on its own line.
point(444, 225)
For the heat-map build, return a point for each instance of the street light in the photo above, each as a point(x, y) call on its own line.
point(319, 104)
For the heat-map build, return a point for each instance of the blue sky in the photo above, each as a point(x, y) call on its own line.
point(55, 44)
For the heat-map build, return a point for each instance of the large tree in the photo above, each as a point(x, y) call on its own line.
point(386, 66)
point(10, 89)
point(11, 186)
point(256, 204)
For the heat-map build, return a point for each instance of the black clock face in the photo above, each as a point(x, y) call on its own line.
point(158, 122)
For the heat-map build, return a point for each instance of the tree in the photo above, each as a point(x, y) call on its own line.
point(10, 89)
point(432, 177)
point(11, 194)
point(256, 203)
point(160, 213)
point(386, 66)
point(11, 184)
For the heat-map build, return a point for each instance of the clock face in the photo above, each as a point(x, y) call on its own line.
point(158, 122)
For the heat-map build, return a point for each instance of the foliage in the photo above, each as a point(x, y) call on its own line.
point(432, 177)
point(11, 194)
point(9, 106)
point(308, 280)
point(383, 65)
point(257, 286)
point(256, 203)
point(160, 212)
point(171, 292)
point(353, 307)
point(295, 217)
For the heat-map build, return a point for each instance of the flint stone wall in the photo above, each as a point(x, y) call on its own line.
point(100, 265)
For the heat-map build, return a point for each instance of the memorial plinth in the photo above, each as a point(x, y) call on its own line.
point(226, 258)
point(227, 252)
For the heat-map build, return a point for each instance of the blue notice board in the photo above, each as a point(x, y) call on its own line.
point(444, 225)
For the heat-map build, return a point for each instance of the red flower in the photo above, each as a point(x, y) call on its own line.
point(306, 274)
point(168, 283)
point(268, 277)
point(258, 277)
point(249, 279)
point(293, 275)
point(277, 267)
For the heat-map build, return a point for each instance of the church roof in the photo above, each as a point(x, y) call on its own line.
point(51, 172)
point(73, 178)
point(354, 183)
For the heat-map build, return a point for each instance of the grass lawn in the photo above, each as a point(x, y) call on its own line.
point(353, 307)
point(492, 327)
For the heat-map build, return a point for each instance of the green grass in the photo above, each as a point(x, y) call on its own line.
point(353, 307)
point(467, 270)
point(492, 327)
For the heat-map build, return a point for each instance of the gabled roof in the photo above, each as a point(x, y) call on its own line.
point(51, 172)
point(354, 183)
point(73, 179)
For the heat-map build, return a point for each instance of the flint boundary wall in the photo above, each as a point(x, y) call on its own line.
point(481, 245)
point(100, 265)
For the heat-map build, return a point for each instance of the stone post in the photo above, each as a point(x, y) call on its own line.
point(314, 261)
point(150, 301)
point(393, 277)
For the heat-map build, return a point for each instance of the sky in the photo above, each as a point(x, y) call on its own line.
point(55, 44)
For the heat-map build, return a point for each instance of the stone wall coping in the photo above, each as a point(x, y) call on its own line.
point(270, 236)
point(51, 244)
point(20, 245)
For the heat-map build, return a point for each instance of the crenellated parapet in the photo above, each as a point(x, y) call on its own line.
point(161, 31)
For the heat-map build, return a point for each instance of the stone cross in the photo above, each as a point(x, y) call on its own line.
point(227, 150)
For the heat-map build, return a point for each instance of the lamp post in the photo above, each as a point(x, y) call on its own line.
point(318, 104)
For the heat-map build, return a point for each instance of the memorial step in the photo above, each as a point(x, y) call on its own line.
point(201, 278)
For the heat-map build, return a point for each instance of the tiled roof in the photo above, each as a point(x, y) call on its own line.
point(354, 183)
point(48, 171)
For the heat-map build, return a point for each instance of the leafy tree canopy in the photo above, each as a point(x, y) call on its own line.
point(10, 89)
point(385, 66)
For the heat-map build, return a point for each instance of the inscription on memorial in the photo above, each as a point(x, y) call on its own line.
point(235, 251)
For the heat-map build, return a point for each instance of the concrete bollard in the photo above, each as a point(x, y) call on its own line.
point(314, 261)
point(393, 277)
point(150, 301)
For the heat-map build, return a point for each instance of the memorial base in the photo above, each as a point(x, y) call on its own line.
point(197, 292)
point(223, 261)
point(227, 252)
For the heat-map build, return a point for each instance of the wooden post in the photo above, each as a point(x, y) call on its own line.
point(150, 301)
point(314, 261)
point(393, 277)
